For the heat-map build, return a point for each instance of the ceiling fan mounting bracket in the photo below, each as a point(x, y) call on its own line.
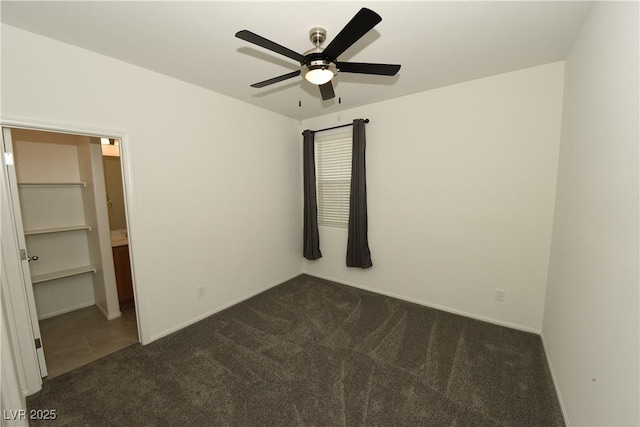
point(317, 35)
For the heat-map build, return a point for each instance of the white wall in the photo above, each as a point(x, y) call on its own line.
point(99, 237)
point(216, 182)
point(461, 187)
point(591, 311)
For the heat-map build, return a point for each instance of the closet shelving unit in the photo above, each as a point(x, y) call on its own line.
point(57, 230)
point(59, 185)
point(61, 248)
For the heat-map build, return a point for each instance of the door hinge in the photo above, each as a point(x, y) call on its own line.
point(8, 159)
point(23, 255)
point(38, 343)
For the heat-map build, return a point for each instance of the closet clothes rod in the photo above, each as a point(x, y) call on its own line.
point(336, 127)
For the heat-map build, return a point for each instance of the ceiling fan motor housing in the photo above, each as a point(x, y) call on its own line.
point(315, 59)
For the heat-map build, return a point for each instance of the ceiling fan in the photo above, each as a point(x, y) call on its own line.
point(319, 65)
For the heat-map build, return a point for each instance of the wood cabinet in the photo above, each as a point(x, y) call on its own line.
point(123, 275)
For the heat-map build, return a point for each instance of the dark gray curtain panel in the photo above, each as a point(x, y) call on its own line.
point(311, 234)
point(358, 253)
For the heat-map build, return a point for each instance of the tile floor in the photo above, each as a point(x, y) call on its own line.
point(82, 336)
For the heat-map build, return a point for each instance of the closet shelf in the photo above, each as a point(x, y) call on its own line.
point(56, 230)
point(62, 273)
point(52, 184)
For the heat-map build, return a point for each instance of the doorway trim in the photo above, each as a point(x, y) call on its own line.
point(130, 213)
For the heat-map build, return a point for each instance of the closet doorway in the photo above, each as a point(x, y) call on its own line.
point(117, 221)
point(78, 261)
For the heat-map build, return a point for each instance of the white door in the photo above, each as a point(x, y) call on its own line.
point(14, 200)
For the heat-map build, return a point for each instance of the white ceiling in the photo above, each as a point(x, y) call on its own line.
point(437, 43)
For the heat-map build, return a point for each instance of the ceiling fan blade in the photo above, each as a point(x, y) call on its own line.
point(326, 90)
point(268, 44)
point(276, 79)
point(364, 68)
point(359, 25)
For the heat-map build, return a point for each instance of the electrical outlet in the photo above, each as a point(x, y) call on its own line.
point(499, 295)
point(200, 290)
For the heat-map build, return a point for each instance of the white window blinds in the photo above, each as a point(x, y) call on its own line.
point(333, 178)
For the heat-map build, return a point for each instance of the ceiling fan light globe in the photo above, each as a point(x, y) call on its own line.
point(319, 76)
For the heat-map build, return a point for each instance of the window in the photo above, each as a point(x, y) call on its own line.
point(333, 178)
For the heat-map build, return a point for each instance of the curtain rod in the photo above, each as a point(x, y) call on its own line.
point(337, 127)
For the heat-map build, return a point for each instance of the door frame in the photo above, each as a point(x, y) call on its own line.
point(16, 228)
point(14, 298)
point(19, 301)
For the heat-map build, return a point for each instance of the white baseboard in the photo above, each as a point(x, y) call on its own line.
point(216, 310)
point(66, 310)
point(107, 315)
point(563, 408)
point(436, 306)
point(114, 315)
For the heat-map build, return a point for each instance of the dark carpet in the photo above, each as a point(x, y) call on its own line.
point(313, 352)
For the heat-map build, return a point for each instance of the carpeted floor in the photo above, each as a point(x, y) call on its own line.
point(313, 352)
